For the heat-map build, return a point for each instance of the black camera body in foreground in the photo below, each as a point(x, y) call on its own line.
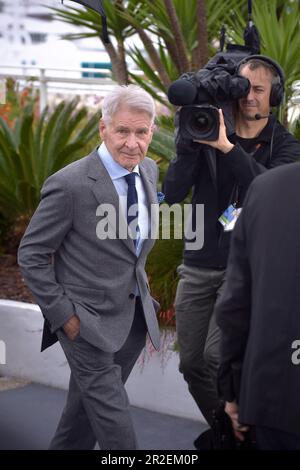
point(199, 122)
point(200, 94)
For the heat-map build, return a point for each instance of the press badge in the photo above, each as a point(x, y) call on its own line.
point(229, 217)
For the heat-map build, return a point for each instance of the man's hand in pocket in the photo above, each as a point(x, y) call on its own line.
point(72, 327)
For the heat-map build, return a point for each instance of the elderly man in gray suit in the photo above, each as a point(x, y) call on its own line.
point(88, 277)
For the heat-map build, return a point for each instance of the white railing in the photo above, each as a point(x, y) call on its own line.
point(67, 79)
point(296, 92)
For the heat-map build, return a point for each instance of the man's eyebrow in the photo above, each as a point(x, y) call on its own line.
point(122, 127)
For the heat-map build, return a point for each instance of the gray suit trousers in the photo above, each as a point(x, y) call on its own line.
point(97, 408)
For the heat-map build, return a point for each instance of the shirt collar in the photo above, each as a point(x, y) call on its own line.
point(113, 168)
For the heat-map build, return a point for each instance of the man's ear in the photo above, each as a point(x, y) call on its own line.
point(102, 128)
point(153, 129)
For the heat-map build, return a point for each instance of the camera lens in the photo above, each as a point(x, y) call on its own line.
point(201, 122)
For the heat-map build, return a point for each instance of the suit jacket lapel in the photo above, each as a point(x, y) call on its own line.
point(150, 190)
point(149, 185)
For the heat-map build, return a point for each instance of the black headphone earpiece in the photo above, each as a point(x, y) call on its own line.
point(277, 91)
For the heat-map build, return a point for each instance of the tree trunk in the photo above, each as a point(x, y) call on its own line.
point(118, 58)
point(154, 57)
point(174, 54)
point(200, 53)
point(119, 68)
point(179, 41)
point(122, 66)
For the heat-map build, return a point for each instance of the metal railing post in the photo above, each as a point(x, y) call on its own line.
point(43, 90)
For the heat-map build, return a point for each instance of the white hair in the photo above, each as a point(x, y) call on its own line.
point(130, 96)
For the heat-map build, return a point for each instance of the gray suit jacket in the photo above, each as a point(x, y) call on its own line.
point(70, 270)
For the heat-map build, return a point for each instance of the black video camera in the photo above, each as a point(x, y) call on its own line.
point(216, 85)
point(201, 94)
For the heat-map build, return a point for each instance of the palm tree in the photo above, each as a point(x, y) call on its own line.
point(33, 149)
point(278, 25)
point(178, 36)
point(118, 30)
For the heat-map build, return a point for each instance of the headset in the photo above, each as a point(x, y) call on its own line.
point(277, 90)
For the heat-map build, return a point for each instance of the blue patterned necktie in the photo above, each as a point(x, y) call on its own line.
point(132, 198)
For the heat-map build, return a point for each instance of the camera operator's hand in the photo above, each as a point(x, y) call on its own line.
point(232, 409)
point(222, 143)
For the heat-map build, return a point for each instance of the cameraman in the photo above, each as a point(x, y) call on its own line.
point(258, 144)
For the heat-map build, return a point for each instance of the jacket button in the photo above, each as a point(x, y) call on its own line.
point(131, 296)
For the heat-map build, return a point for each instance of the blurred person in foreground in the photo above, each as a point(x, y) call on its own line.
point(258, 314)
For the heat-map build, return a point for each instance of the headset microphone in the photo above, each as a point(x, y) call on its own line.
point(259, 116)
